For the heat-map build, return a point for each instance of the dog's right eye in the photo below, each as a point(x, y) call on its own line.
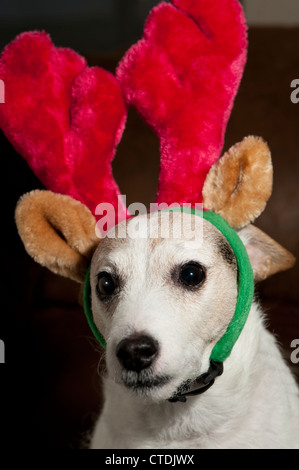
point(192, 275)
point(106, 285)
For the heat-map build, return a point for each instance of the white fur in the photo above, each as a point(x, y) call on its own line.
point(254, 404)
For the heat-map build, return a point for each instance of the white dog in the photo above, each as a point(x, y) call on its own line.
point(164, 301)
point(162, 304)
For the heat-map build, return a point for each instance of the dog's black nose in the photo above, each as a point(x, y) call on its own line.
point(137, 352)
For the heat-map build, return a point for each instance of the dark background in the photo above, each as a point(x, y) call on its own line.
point(50, 391)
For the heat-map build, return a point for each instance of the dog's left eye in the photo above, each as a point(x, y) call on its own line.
point(192, 275)
point(106, 284)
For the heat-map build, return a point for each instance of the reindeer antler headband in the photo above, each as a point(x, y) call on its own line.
point(66, 120)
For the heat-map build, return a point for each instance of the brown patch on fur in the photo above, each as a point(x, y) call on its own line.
point(57, 231)
point(227, 252)
point(238, 186)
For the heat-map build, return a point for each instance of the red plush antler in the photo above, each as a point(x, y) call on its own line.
point(183, 77)
point(64, 118)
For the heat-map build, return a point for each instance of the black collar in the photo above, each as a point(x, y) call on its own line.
point(204, 381)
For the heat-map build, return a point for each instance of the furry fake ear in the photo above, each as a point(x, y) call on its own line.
point(238, 186)
point(267, 257)
point(57, 231)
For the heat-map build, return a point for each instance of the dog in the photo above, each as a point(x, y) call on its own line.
point(166, 289)
point(163, 303)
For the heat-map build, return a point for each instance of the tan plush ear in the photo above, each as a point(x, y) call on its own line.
point(267, 257)
point(238, 186)
point(57, 231)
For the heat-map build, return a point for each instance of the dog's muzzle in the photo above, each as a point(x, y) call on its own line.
point(137, 354)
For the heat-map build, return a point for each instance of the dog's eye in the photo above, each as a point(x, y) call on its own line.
point(106, 285)
point(192, 275)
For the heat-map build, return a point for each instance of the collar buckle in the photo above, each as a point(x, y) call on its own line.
point(205, 381)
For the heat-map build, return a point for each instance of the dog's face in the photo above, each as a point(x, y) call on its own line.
point(162, 302)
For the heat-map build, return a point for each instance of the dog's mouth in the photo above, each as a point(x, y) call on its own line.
point(143, 381)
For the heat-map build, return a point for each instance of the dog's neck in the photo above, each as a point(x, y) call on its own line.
point(223, 406)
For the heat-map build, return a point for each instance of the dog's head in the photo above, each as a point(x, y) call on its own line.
point(162, 302)
point(164, 286)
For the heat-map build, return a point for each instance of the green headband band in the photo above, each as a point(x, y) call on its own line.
point(223, 347)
